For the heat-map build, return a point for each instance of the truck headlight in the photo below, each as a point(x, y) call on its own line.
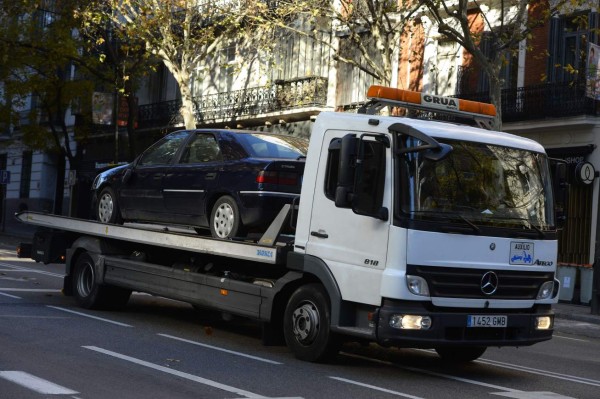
point(417, 285)
point(546, 290)
point(410, 322)
point(543, 323)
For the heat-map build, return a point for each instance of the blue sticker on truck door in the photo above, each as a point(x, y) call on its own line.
point(521, 253)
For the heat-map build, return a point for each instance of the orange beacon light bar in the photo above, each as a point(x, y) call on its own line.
point(429, 102)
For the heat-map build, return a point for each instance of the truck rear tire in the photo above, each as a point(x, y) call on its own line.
point(460, 354)
point(89, 294)
point(306, 325)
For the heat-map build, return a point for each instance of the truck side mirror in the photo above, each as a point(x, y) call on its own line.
point(347, 171)
point(369, 182)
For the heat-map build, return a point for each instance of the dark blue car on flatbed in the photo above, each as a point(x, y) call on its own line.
point(228, 181)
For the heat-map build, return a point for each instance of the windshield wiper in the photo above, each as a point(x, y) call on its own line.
point(467, 221)
point(451, 216)
point(529, 225)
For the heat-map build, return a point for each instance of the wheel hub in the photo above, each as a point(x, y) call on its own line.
point(85, 282)
point(306, 322)
point(105, 208)
point(224, 219)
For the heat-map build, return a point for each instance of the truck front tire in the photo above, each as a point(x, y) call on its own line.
point(306, 324)
point(89, 294)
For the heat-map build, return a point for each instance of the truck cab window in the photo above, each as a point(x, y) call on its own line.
point(332, 169)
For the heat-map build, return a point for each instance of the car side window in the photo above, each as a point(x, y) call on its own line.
point(163, 152)
point(203, 148)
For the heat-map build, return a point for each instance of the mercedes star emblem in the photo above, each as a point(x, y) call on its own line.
point(489, 283)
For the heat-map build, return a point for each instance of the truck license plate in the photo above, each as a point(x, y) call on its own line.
point(487, 321)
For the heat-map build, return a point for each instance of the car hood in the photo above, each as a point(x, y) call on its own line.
point(111, 175)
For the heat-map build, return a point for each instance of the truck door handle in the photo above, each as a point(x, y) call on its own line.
point(319, 234)
point(211, 176)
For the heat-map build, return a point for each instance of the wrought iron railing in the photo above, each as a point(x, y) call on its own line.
point(164, 113)
point(230, 106)
point(550, 100)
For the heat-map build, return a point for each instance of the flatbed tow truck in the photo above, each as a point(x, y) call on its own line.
point(409, 233)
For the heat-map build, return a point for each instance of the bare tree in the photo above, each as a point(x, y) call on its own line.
point(182, 33)
point(507, 22)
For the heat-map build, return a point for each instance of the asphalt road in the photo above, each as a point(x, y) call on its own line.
point(158, 348)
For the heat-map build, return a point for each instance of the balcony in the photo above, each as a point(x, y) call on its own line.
point(551, 100)
point(282, 97)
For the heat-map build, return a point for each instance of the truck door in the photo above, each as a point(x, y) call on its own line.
point(354, 246)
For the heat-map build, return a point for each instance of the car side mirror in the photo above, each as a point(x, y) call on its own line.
point(127, 175)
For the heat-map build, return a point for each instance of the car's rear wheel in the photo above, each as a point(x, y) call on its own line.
point(107, 208)
point(225, 218)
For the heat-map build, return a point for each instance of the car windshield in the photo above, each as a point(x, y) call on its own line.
point(482, 184)
point(274, 146)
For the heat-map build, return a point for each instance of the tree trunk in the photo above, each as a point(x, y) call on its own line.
point(60, 184)
point(496, 95)
point(131, 124)
point(187, 106)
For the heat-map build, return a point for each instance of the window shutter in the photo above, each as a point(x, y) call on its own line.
point(555, 47)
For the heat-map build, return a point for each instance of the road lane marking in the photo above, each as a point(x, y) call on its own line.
point(27, 269)
point(36, 384)
point(546, 373)
point(90, 316)
point(220, 349)
point(376, 388)
point(433, 373)
point(572, 339)
point(532, 395)
point(10, 296)
point(27, 290)
point(176, 373)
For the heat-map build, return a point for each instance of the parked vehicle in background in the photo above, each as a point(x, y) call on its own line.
point(227, 181)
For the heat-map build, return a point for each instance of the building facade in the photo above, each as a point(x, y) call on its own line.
point(546, 96)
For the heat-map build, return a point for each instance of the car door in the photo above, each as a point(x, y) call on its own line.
point(189, 180)
point(142, 193)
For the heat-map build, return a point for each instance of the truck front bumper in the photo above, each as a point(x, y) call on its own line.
point(448, 327)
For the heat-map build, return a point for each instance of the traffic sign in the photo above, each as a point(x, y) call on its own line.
point(4, 176)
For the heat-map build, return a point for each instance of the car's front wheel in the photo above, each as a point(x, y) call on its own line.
point(107, 208)
point(225, 218)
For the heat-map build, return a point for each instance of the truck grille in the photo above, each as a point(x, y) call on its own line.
point(466, 283)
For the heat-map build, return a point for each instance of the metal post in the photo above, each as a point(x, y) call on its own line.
point(595, 302)
point(116, 126)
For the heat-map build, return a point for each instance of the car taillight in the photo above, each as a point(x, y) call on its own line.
point(283, 178)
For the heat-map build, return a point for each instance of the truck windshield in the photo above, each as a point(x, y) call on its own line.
point(480, 184)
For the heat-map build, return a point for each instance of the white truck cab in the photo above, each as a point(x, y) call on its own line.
point(446, 230)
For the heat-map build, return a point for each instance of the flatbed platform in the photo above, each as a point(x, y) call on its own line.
point(270, 254)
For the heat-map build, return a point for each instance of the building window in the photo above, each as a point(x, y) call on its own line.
point(569, 39)
point(26, 174)
point(510, 65)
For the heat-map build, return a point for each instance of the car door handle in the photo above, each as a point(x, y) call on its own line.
point(211, 176)
point(319, 234)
